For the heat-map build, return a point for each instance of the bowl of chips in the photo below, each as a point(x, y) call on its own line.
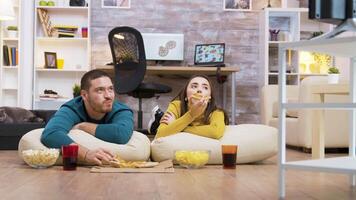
point(191, 159)
point(41, 158)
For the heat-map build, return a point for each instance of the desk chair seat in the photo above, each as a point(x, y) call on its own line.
point(129, 59)
point(149, 90)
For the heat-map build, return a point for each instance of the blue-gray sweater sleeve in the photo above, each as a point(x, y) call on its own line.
point(56, 131)
point(119, 130)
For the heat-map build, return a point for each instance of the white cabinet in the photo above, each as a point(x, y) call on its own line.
point(343, 47)
point(72, 52)
point(10, 68)
point(280, 25)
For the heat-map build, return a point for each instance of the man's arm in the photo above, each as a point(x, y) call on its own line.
point(119, 130)
point(87, 127)
point(56, 131)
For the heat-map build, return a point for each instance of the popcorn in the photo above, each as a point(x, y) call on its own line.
point(192, 159)
point(40, 158)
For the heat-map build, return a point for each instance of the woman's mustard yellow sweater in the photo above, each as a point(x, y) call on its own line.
point(186, 123)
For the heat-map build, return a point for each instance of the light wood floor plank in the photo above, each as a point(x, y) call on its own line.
point(254, 181)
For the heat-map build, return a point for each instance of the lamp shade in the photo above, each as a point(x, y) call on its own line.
point(6, 10)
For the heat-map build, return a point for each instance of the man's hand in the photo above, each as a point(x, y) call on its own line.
point(98, 156)
point(167, 118)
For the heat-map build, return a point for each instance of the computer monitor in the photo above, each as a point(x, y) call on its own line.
point(209, 54)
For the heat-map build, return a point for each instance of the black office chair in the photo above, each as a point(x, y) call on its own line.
point(129, 60)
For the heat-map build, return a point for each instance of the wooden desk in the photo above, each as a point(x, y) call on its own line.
point(179, 70)
point(318, 134)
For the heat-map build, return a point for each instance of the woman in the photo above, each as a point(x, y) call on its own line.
point(194, 111)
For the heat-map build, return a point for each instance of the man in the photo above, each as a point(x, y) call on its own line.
point(95, 112)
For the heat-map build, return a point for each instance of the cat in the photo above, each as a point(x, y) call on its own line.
point(17, 115)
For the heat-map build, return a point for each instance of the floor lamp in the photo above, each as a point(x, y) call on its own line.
point(6, 11)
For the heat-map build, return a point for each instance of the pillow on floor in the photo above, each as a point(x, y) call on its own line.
point(255, 143)
point(138, 147)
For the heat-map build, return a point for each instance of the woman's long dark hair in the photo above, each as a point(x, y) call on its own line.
point(211, 107)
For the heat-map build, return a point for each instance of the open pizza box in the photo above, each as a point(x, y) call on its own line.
point(162, 167)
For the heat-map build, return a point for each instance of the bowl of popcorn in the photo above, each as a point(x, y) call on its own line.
point(191, 159)
point(41, 158)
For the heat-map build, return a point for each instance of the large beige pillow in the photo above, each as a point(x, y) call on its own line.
point(138, 147)
point(255, 142)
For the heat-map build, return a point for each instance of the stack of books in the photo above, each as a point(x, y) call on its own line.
point(64, 31)
point(10, 56)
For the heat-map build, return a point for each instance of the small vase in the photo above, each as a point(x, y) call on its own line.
point(333, 78)
point(12, 34)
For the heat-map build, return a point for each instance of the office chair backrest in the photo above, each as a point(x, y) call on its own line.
point(129, 58)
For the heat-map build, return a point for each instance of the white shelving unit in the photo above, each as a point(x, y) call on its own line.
point(75, 51)
point(9, 74)
point(343, 47)
point(292, 24)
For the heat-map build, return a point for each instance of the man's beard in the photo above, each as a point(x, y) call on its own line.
point(101, 107)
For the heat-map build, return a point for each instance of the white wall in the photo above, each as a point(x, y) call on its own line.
point(26, 55)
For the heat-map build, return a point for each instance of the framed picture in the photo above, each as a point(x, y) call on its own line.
point(50, 60)
point(115, 3)
point(237, 5)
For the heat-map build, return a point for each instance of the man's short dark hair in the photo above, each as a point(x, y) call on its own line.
point(91, 75)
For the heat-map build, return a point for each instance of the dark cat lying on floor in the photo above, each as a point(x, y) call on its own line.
point(17, 115)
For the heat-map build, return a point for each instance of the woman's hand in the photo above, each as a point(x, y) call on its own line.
point(197, 107)
point(167, 118)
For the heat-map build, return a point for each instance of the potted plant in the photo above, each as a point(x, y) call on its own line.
point(333, 75)
point(12, 31)
point(76, 90)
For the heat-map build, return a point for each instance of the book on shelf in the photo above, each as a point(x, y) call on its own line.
point(64, 31)
point(9, 51)
point(10, 55)
point(60, 34)
point(5, 51)
point(17, 56)
point(13, 56)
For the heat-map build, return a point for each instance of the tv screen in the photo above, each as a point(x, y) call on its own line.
point(206, 54)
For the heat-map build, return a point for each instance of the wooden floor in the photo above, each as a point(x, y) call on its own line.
point(258, 181)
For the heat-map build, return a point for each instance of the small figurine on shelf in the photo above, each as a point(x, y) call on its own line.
point(269, 4)
point(274, 34)
point(333, 75)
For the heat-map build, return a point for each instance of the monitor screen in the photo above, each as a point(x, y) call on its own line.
point(206, 54)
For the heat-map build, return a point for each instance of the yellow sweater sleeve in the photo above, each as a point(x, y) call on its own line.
point(177, 125)
point(213, 130)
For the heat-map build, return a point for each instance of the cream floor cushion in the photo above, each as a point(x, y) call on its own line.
point(255, 143)
point(138, 147)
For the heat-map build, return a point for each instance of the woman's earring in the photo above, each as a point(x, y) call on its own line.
point(185, 99)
